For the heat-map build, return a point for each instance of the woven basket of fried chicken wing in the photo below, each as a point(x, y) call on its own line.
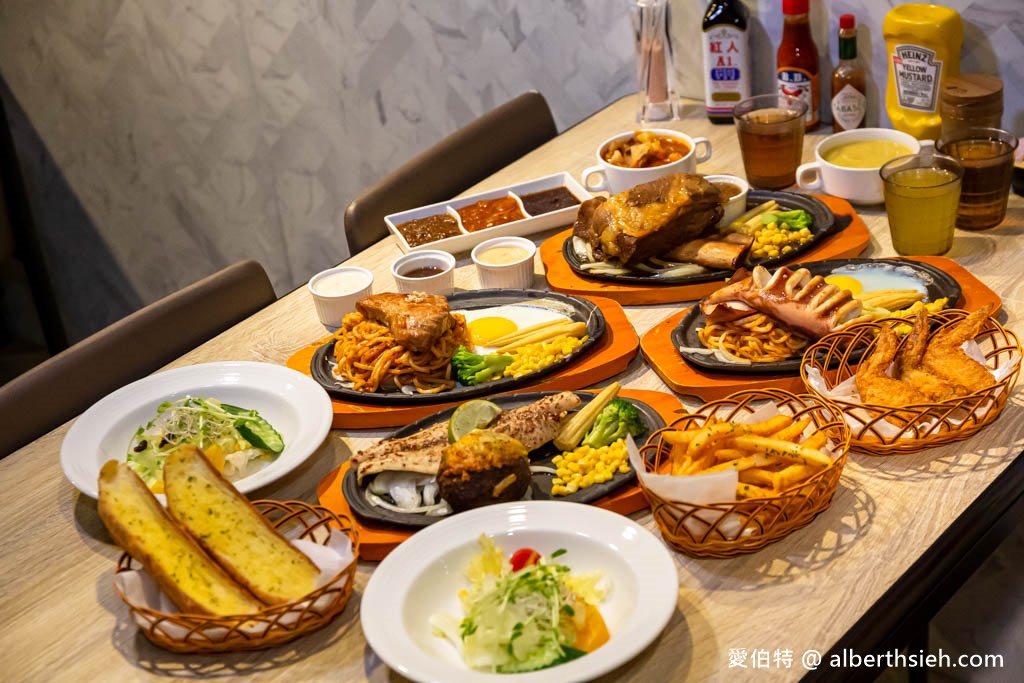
point(909, 384)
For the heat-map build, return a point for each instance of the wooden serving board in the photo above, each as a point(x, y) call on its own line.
point(689, 380)
point(377, 540)
point(610, 356)
point(847, 243)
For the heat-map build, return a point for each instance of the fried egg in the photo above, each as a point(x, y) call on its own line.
point(487, 324)
point(870, 277)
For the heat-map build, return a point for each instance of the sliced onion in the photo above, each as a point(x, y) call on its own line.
point(583, 249)
point(683, 270)
point(720, 354)
point(541, 469)
point(376, 501)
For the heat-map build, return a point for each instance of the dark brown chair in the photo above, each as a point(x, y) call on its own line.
point(458, 162)
point(63, 386)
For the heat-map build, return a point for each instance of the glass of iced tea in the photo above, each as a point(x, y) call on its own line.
point(771, 131)
point(987, 157)
point(921, 196)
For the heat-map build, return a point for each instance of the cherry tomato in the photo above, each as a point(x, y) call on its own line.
point(524, 557)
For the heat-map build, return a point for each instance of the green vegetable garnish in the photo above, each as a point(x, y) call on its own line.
point(615, 420)
point(797, 219)
point(472, 368)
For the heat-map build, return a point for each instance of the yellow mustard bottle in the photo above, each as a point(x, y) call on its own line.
point(923, 47)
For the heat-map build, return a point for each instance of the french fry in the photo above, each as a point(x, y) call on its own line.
point(784, 449)
point(679, 437)
point(745, 463)
point(679, 459)
point(815, 440)
point(791, 476)
point(769, 426)
point(522, 332)
point(723, 454)
point(759, 476)
point(745, 490)
point(793, 431)
point(708, 436)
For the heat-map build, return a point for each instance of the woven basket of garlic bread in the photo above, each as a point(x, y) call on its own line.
point(905, 385)
point(213, 572)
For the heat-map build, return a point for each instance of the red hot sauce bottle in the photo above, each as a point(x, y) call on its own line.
point(797, 59)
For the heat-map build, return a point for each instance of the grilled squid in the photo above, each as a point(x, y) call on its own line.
point(806, 303)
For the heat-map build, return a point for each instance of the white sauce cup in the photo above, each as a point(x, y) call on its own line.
point(335, 292)
point(515, 274)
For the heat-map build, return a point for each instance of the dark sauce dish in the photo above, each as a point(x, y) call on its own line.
point(937, 284)
point(824, 224)
point(577, 309)
point(540, 488)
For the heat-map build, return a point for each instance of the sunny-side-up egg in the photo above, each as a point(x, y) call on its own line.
point(487, 324)
point(875, 276)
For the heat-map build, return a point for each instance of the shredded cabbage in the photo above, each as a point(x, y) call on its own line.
point(518, 621)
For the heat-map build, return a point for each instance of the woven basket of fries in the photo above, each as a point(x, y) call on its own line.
point(202, 633)
point(788, 464)
point(829, 370)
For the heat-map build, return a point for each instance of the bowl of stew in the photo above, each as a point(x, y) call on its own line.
point(628, 159)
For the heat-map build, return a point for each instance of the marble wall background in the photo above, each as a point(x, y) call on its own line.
point(164, 139)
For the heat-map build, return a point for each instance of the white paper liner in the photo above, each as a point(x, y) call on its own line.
point(141, 591)
point(858, 418)
point(714, 487)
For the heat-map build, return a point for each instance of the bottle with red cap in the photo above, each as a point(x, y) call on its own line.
point(796, 62)
point(849, 98)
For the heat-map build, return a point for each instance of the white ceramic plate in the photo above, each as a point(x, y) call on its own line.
point(294, 404)
point(423, 575)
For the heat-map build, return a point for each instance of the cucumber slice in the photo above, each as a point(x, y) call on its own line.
point(260, 434)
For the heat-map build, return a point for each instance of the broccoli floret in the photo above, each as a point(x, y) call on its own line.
point(617, 419)
point(472, 368)
point(797, 219)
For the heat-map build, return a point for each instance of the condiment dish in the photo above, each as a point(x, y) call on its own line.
point(431, 271)
point(504, 263)
point(735, 204)
point(335, 292)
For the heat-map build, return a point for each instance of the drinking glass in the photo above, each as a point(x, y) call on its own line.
point(654, 66)
point(987, 157)
point(921, 196)
point(771, 132)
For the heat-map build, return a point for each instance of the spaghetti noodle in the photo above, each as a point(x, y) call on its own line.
point(366, 354)
point(757, 338)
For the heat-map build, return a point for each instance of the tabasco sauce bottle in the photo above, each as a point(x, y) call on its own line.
point(726, 58)
point(797, 59)
point(849, 103)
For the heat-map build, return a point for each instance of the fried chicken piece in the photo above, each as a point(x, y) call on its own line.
point(874, 385)
point(910, 368)
point(415, 320)
point(945, 359)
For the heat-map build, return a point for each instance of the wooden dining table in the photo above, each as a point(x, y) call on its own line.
point(901, 534)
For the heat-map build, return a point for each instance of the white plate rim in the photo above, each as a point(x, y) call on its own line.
point(384, 594)
point(312, 404)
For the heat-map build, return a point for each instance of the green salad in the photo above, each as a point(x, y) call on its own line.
point(524, 613)
point(231, 437)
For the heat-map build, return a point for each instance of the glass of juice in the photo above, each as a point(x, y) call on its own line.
point(922, 192)
point(771, 132)
point(987, 157)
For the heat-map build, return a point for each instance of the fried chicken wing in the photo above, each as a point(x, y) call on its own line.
point(945, 359)
point(874, 385)
point(910, 364)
